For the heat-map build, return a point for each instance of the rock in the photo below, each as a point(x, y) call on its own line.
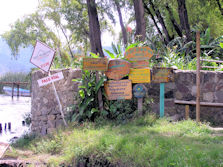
point(209, 97)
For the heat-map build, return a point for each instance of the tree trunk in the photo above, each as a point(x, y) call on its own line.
point(94, 26)
point(140, 20)
point(124, 33)
point(173, 21)
point(182, 10)
point(95, 39)
point(160, 18)
point(219, 6)
point(154, 21)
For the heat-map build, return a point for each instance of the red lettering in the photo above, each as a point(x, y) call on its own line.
point(55, 77)
point(45, 80)
point(44, 65)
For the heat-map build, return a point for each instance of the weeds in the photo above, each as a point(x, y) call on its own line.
point(145, 141)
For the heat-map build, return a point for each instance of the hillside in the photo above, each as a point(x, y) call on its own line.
point(9, 64)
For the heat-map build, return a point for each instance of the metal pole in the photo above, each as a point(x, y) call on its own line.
point(140, 102)
point(58, 100)
point(198, 52)
point(162, 98)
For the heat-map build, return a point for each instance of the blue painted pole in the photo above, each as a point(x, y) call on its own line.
point(162, 97)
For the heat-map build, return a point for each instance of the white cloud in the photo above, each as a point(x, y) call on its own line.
point(11, 10)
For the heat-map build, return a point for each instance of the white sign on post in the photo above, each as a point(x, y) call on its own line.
point(53, 78)
point(42, 56)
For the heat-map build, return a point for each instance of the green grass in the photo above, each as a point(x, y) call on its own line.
point(139, 143)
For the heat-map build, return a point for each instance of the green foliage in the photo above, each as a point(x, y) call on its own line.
point(25, 141)
point(27, 118)
point(144, 141)
point(120, 110)
point(88, 103)
point(117, 52)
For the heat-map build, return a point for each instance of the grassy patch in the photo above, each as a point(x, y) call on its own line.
point(141, 142)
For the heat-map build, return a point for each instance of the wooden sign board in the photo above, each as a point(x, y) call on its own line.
point(118, 89)
point(53, 78)
point(140, 75)
point(117, 69)
point(162, 75)
point(98, 64)
point(42, 56)
point(139, 90)
point(139, 54)
point(140, 64)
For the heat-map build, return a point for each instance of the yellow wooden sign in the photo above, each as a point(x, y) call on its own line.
point(139, 53)
point(140, 75)
point(121, 89)
point(97, 64)
point(162, 75)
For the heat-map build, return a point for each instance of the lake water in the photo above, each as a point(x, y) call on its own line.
point(13, 111)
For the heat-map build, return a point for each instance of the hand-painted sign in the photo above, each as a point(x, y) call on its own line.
point(140, 75)
point(118, 89)
point(42, 56)
point(162, 75)
point(140, 64)
point(99, 64)
point(139, 90)
point(53, 78)
point(139, 54)
point(117, 69)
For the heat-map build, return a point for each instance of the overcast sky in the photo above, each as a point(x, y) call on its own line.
point(11, 10)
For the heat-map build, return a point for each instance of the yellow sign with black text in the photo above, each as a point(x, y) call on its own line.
point(140, 75)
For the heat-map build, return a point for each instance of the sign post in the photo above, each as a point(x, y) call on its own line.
point(162, 75)
point(198, 52)
point(42, 57)
point(139, 91)
point(162, 99)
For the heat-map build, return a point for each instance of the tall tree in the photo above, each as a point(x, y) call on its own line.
point(182, 10)
point(95, 39)
point(173, 21)
point(161, 21)
point(94, 27)
point(154, 21)
point(124, 33)
point(140, 20)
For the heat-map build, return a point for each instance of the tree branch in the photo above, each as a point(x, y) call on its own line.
point(154, 21)
point(160, 18)
point(173, 21)
point(219, 6)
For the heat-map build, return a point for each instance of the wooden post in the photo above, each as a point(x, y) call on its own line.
point(0, 128)
point(162, 98)
point(9, 126)
point(198, 52)
point(187, 109)
point(140, 100)
point(100, 100)
point(12, 90)
point(17, 90)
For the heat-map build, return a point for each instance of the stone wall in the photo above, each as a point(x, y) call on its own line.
point(184, 88)
point(45, 111)
point(46, 115)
